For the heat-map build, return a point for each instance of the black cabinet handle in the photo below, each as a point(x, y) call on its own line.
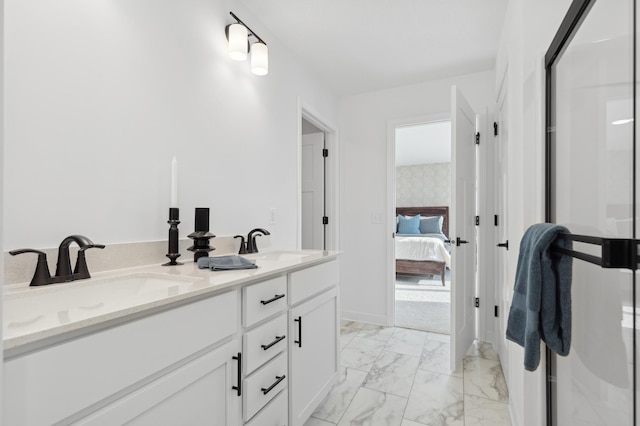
point(278, 380)
point(299, 341)
point(460, 241)
point(273, 299)
point(239, 387)
point(504, 245)
point(278, 339)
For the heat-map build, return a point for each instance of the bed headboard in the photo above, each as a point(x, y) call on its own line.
point(428, 211)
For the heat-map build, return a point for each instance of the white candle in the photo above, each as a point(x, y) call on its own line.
point(174, 182)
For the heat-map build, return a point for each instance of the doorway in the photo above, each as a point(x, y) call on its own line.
point(313, 196)
point(423, 188)
point(465, 135)
point(318, 182)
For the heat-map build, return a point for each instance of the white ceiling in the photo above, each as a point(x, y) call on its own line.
point(423, 144)
point(357, 46)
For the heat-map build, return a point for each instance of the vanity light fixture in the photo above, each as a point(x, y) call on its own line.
point(238, 41)
point(259, 58)
point(238, 38)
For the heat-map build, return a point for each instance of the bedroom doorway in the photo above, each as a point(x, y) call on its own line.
point(423, 188)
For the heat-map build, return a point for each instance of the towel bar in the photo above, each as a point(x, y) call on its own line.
point(616, 252)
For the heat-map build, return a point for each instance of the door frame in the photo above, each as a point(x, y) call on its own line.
point(332, 174)
point(500, 261)
point(392, 125)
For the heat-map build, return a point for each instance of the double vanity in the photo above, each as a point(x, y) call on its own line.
point(175, 345)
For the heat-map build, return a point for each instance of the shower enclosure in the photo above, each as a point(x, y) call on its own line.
point(591, 189)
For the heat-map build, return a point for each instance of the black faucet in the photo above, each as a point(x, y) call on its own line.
point(63, 269)
point(251, 239)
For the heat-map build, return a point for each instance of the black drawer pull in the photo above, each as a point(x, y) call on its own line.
point(267, 390)
point(273, 299)
point(278, 339)
point(239, 387)
point(299, 341)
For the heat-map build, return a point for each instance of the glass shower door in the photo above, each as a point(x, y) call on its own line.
point(591, 190)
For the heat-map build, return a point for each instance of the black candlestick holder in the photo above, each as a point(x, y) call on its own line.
point(201, 236)
point(174, 216)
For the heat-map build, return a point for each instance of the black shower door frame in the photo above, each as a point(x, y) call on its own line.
point(576, 14)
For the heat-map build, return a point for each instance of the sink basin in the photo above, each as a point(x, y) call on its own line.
point(30, 309)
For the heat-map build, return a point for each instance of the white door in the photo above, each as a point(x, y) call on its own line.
point(462, 227)
point(312, 191)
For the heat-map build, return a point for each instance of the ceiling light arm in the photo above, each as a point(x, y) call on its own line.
point(251, 32)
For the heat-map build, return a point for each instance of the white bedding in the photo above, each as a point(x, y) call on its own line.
point(422, 248)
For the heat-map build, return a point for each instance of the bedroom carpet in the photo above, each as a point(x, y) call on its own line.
point(423, 304)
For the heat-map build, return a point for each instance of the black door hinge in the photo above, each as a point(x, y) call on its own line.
point(495, 129)
point(477, 220)
point(477, 138)
point(495, 220)
point(477, 302)
point(325, 152)
point(325, 220)
point(495, 311)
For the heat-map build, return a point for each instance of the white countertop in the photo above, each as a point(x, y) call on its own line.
point(34, 314)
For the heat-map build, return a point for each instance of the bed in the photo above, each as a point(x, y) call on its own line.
point(423, 254)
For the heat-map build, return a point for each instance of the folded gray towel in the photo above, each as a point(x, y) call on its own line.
point(541, 305)
point(225, 263)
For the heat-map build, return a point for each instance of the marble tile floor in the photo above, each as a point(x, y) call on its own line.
point(392, 376)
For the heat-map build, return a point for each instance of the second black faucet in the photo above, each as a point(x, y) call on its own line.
point(250, 245)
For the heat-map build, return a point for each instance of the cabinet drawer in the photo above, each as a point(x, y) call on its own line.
point(274, 414)
point(310, 281)
point(46, 386)
point(262, 300)
point(263, 385)
point(265, 342)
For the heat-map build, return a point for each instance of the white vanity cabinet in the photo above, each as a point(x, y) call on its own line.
point(259, 352)
point(140, 370)
point(314, 334)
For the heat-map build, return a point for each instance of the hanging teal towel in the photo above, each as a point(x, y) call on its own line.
point(541, 305)
point(225, 263)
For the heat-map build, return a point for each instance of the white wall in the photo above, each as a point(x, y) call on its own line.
point(101, 94)
point(529, 28)
point(363, 121)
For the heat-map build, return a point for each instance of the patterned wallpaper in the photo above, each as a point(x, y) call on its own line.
point(423, 185)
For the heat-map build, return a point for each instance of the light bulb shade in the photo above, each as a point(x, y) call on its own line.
point(259, 59)
point(238, 42)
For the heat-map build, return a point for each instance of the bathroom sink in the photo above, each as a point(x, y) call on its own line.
point(34, 309)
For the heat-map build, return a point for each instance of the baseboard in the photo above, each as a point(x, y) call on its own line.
point(364, 317)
